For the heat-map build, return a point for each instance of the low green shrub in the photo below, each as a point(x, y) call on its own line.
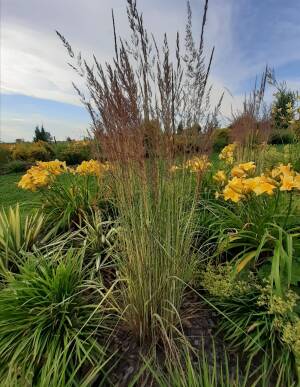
point(221, 138)
point(31, 152)
point(282, 136)
point(73, 152)
point(191, 141)
point(5, 155)
point(254, 319)
point(292, 155)
point(15, 166)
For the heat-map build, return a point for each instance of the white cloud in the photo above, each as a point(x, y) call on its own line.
point(33, 60)
point(33, 65)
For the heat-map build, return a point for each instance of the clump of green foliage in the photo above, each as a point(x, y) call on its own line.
point(50, 321)
point(73, 152)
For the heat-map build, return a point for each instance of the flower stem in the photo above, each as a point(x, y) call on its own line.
point(289, 209)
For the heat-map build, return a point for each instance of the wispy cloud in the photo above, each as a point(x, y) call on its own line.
point(33, 65)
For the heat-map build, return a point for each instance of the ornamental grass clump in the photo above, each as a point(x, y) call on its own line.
point(50, 323)
point(156, 259)
point(136, 103)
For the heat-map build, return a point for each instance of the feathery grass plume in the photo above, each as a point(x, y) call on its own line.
point(252, 124)
point(143, 84)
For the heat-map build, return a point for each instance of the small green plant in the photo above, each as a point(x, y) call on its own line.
point(15, 166)
point(99, 236)
point(68, 199)
point(255, 312)
point(51, 323)
point(18, 235)
point(199, 369)
point(221, 139)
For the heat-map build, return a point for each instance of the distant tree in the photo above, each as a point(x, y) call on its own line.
point(69, 139)
point(283, 108)
point(41, 135)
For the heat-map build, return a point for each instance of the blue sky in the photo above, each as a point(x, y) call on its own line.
point(36, 81)
point(21, 113)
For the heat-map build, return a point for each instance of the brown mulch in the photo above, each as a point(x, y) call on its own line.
point(199, 323)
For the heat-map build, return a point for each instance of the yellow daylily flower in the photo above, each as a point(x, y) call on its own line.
point(282, 170)
point(260, 185)
point(286, 169)
point(227, 153)
point(92, 167)
point(287, 183)
point(264, 187)
point(237, 184)
point(248, 167)
point(220, 176)
point(238, 172)
point(174, 168)
point(198, 164)
point(230, 194)
point(55, 167)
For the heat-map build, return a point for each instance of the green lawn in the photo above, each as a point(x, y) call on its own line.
point(10, 194)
